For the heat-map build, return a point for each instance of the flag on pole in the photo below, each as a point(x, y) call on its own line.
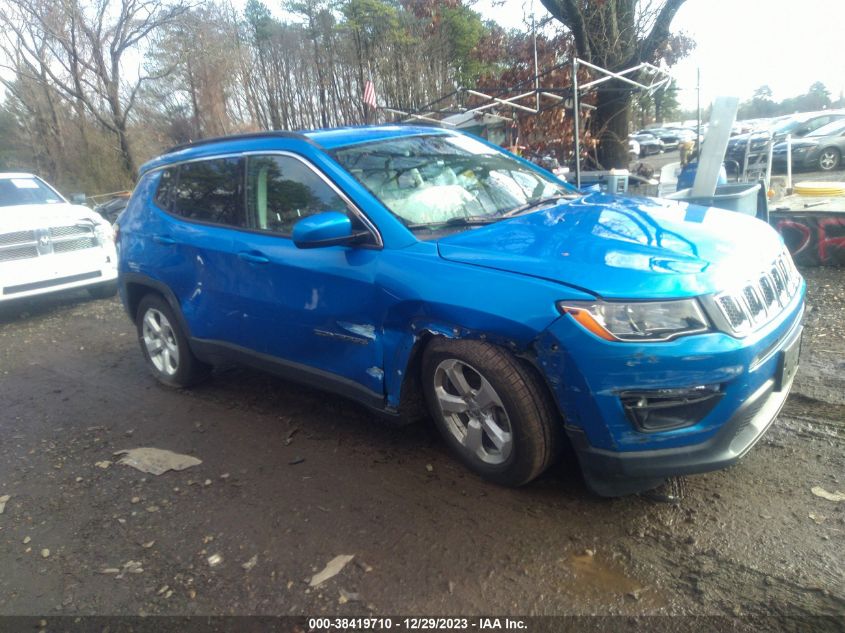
point(370, 94)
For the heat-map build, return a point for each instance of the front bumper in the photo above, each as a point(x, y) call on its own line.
point(589, 376)
point(612, 474)
point(55, 273)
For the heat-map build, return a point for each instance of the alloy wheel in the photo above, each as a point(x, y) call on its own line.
point(160, 342)
point(473, 412)
point(829, 159)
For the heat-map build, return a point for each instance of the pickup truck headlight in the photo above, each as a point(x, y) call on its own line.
point(636, 321)
point(104, 233)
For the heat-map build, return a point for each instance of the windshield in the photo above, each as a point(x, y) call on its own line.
point(26, 190)
point(831, 129)
point(445, 179)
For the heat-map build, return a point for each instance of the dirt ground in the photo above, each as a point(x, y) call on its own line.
point(291, 478)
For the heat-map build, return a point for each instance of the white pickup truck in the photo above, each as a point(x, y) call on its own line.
point(48, 244)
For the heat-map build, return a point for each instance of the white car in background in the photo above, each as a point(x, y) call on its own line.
point(48, 244)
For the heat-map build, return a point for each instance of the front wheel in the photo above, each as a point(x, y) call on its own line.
point(494, 414)
point(165, 345)
point(829, 159)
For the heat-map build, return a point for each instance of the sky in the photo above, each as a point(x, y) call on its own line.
point(741, 44)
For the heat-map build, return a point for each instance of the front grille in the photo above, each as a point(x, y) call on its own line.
point(757, 301)
point(16, 237)
point(39, 242)
point(18, 245)
point(69, 231)
point(68, 246)
point(12, 253)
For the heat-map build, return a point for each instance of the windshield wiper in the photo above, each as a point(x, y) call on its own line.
point(461, 220)
point(533, 205)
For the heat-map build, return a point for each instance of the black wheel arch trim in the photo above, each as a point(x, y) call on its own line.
point(139, 279)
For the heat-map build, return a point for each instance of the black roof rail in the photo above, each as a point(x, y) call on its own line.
point(423, 123)
point(242, 137)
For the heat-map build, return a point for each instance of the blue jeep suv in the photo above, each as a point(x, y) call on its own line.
point(421, 271)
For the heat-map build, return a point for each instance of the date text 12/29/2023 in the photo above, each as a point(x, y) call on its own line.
point(416, 624)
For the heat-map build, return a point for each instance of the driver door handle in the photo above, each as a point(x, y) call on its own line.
point(254, 257)
point(164, 239)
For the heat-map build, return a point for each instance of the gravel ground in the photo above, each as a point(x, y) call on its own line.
point(291, 478)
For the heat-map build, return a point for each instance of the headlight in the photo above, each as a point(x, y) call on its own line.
point(104, 233)
point(637, 321)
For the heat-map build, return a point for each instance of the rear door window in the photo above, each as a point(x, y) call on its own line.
point(210, 191)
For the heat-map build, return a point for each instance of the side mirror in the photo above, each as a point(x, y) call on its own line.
point(330, 228)
point(78, 198)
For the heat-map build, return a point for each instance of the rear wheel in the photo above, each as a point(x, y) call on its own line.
point(165, 345)
point(829, 159)
point(493, 412)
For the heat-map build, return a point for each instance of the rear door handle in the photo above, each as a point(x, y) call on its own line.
point(254, 257)
point(164, 239)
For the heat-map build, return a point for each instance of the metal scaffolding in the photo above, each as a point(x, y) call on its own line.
point(650, 79)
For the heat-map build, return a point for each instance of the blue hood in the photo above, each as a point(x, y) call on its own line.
point(633, 248)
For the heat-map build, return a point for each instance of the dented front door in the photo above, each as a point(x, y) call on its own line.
point(315, 307)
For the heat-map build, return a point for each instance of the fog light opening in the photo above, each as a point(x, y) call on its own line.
point(666, 409)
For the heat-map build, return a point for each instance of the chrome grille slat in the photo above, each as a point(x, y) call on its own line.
point(768, 291)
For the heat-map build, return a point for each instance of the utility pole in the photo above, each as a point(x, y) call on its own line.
point(576, 118)
point(698, 109)
point(536, 65)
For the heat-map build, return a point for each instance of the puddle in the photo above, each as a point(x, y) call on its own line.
point(601, 580)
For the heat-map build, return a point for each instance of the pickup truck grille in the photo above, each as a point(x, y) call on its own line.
point(759, 300)
point(18, 245)
point(39, 242)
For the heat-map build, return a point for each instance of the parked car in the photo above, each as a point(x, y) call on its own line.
point(668, 137)
point(821, 149)
point(418, 269)
point(796, 126)
point(112, 208)
point(48, 244)
point(649, 143)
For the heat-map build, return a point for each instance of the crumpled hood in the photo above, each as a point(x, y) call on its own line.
point(35, 216)
point(615, 247)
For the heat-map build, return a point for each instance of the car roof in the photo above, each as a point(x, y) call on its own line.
point(326, 139)
point(15, 174)
point(806, 116)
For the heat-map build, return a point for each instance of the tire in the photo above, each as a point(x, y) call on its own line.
point(103, 291)
point(494, 413)
point(829, 159)
point(165, 345)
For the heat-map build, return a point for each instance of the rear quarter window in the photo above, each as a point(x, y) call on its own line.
point(165, 188)
point(210, 191)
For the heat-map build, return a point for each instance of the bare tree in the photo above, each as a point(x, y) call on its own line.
point(87, 50)
point(616, 34)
